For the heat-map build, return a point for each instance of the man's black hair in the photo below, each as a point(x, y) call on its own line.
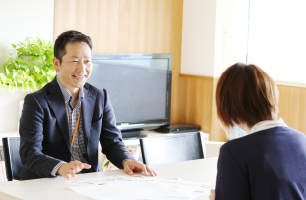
point(66, 37)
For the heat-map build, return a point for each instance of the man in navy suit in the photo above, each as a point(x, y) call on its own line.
point(62, 124)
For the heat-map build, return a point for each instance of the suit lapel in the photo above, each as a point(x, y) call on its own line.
point(57, 103)
point(88, 105)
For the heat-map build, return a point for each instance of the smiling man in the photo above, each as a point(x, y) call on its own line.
point(62, 124)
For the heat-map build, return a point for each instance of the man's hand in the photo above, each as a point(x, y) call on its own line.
point(212, 194)
point(131, 166)
point(70, 169)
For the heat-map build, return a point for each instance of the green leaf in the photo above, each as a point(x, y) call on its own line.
point(19, 80)
point(7, 71)
point(18, 59)
point(16, 65)
point(30, 79)
point(32, 58)
point(24, 86)
point(9, 59)
point(21, 50)
point(50, 54)
point(51, 73)
point(23, 64)
point(3, 79)
point(38, 59)
point(14, 45)
point(36, 69)
point(13, 88)
point(28, 39)
point(4, 87)
point(39, 76)
point(10, 77)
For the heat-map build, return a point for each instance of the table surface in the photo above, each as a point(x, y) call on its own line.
point(203, 170)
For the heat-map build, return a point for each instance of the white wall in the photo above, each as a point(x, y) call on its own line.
point(231, 34)
point(278, 38)
point(214, 35)
point(198, 37)
point(18, 19)
point(9, 104)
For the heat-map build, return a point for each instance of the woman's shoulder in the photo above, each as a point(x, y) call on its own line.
point(265, 139)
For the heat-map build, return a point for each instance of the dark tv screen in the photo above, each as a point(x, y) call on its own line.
point(139, 87)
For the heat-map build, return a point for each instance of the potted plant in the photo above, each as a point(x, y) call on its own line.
point(31, 68)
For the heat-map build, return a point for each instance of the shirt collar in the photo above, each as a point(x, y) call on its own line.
point(267, 124)
point(67, 95)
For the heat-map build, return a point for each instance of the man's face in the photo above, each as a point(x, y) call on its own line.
point(76, 66)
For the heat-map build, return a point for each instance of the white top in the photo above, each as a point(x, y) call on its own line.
point(267, 124)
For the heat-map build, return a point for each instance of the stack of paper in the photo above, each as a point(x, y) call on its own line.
point(140, 187)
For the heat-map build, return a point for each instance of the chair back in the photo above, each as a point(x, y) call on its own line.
point(213, 148)
point(12, 159)
point(169, 149)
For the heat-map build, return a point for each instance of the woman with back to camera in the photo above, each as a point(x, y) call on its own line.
point(270, 162)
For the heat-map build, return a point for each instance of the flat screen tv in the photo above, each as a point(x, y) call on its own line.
point(139, 87)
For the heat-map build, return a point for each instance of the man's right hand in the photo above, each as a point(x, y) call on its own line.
point(212, 195)
point(70, 169)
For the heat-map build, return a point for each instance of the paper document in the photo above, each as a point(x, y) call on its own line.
point(140, 188)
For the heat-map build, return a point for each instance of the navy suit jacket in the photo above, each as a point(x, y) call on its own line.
point(44, 131)
point(266, 165)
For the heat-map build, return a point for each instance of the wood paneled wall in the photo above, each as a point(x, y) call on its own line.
point(127, 26)
point(195, 100)
point(197, 104)
point(292, 106)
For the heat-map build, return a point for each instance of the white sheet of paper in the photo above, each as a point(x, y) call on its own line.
point(140, 188)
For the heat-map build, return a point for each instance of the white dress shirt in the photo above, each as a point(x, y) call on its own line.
point(267, 124)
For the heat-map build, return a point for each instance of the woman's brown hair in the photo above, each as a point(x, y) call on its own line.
point(246, 94)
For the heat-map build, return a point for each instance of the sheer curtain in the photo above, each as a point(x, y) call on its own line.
point(277, 38)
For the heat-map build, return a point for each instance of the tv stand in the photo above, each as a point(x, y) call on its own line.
point(132, 133)
point(178, 128)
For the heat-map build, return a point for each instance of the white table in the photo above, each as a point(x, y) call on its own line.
point(203, 170)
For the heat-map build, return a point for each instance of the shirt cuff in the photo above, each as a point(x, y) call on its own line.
point(53, 173)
